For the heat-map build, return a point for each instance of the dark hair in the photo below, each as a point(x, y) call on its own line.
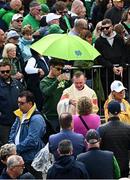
point(106, 21)
point(65, 120)
point(125, 15)
point(60, 5)
point(29, 96)
point(77, 74)
point(5, 62)
point(55, 62)
point(65, 146)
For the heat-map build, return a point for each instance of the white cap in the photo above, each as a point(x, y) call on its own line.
point(52, 16)
point(117, 86)
point(12, 34)
point(16, 16)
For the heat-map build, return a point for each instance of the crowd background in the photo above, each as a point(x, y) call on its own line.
point(47, 105)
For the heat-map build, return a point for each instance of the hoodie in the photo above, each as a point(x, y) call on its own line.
point(66, 167)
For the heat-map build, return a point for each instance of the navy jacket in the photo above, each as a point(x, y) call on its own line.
point(67, 168)
point(8, 101)
point(98, 163)
point(76, 139)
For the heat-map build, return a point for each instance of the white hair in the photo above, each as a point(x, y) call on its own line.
point(8, 47)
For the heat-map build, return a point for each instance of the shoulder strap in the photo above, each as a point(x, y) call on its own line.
point(84, 123)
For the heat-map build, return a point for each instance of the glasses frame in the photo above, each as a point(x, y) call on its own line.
point(5, 71)
point(105, 27)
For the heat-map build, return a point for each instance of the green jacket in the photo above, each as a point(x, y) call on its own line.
point(29, 19)
point(117, 173)
point(7, 15)
point(52, 89)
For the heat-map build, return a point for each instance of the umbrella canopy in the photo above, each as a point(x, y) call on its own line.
point(64, 46)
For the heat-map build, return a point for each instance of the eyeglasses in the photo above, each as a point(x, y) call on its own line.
point(21, 103)
point(19, 20)
point(3, 72)
point(58, 68)
point(105, 27)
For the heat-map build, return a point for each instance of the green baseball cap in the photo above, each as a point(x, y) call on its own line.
point(55, 28)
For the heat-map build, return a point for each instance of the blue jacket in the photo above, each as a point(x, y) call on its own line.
point(31, 134)
point(67, 168)
point(8, 100)
point(98, 163)
point(24, 46)
point(76, 139)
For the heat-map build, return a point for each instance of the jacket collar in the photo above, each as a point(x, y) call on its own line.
point(114, 118)
point(19, 113)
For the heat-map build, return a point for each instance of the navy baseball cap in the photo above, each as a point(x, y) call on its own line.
point(114, 107)
point(92, 136)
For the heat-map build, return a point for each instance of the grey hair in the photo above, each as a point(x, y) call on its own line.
point(6, 150)
point(13, 161)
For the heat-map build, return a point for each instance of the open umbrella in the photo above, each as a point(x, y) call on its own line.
point(64, 46)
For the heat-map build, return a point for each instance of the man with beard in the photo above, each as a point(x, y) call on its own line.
point(9, 91)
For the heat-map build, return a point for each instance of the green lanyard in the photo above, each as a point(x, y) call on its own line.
point(67, 22)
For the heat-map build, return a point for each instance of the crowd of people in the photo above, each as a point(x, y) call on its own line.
point(49, 120)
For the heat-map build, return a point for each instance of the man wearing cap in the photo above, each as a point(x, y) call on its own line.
point(115, 137)
point(16, 23)
point(118, 94)
point(34, 16)
point(12, 37)
point(100, 164)
point(51, 18)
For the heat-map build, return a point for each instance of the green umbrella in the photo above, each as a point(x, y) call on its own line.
point(64, 46)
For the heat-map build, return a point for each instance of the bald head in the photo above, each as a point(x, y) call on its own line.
point(77, 6)
point(16, 4)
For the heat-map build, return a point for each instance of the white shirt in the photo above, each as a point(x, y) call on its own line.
point(18, 133)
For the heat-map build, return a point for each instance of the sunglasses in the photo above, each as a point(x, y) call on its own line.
point(129, 13)
point(19, 20)
point(107, 27)
point(7, 72)
point(21, 103)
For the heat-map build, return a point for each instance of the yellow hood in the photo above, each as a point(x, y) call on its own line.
point(19, 113)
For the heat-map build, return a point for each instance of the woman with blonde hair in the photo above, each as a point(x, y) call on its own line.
point(9, 54)
point(97, 31)
point(85, 120)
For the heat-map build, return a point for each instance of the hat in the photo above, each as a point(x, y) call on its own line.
point(92, 136)
point(117, 86)
point(12, 34)
point(16, 16)
point(55, 28)
point(45, 8)
point(114, 107)
point(52, 16)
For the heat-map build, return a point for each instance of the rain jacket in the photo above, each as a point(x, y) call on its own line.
point(31, 134)
point(123, 115)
